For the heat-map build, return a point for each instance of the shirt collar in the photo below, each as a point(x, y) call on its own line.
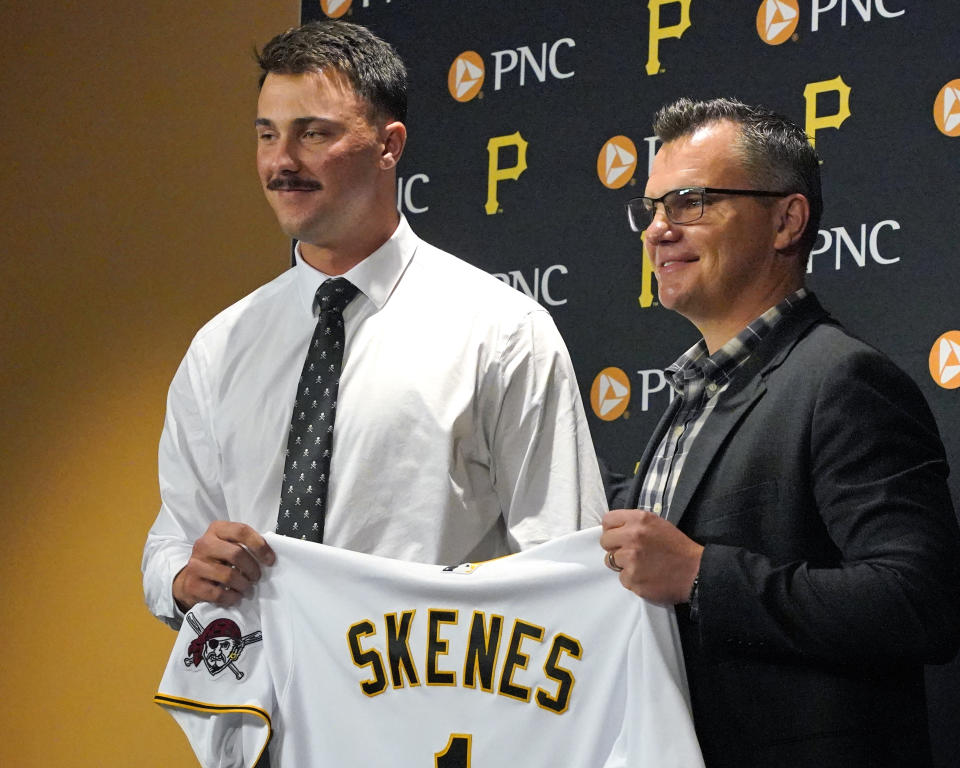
point(719, 367)
point(376, 276)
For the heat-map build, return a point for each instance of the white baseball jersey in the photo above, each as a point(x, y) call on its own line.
point(540, 658)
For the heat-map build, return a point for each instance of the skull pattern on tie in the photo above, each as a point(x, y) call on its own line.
point(306, 475)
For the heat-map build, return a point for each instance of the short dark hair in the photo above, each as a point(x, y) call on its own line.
point(774, 150)
point(373, 67)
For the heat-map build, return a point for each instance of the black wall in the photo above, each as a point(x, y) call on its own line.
point(876, 82)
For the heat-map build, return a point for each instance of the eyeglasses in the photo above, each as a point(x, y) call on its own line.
point(682, 206)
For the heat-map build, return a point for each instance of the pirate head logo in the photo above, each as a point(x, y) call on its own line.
point(219, 645)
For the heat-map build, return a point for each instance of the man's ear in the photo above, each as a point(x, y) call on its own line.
point(394, 140)
point(794, 213)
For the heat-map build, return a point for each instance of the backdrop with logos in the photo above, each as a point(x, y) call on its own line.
point(530, 128)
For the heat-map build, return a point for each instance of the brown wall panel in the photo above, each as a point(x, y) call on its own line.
point(131, 214)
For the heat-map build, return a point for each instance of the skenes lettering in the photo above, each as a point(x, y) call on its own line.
point(384, 654)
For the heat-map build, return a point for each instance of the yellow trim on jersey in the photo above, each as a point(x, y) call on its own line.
point(471, 567)
point(200, 706)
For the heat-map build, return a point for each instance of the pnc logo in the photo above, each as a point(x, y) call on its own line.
point(541, 283)
point(844, 242)
point(946, 109)
point(610, 394)
point(335, 8)
point(616, 162)
point(945, 360)
point(777, 20)
point(465, 78)
point(405, 190)
point(511, 66)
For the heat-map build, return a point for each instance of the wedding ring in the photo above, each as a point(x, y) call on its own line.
point(612, 564)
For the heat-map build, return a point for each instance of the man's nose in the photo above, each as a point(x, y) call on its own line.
point(285, 156)
point(660, 227)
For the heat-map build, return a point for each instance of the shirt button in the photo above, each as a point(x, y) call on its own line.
point(677, 431)
point(657, 508)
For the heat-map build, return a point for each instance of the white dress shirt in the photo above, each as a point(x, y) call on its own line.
point(460, 434)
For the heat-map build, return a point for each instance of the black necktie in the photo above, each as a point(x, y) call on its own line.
point(306, 473)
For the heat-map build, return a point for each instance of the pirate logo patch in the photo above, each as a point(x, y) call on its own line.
point(219, 645)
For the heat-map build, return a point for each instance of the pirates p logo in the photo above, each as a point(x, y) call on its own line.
point(616, 162)
point(777, 20)
point(219, 645)
point(335, 8)
point(465, 78)
point(945, 360)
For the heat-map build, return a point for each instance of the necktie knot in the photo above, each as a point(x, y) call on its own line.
point(334, 294)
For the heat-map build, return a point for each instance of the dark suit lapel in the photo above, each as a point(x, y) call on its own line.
point(732, 406)
point(748, 386)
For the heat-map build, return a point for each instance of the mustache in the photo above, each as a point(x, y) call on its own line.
point(293, 183)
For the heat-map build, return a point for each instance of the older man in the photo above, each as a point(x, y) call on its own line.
point(792, 501)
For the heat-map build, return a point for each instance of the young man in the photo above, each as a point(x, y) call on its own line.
point(459, 431)
point(792, 502)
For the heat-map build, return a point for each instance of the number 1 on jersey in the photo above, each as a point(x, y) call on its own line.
point(456, 754)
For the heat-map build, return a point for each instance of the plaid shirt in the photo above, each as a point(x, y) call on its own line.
point(698, 378)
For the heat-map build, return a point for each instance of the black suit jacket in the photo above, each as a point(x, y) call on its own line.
point(830, 573)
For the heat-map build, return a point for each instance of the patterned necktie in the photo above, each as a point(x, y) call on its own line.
point(306, 475)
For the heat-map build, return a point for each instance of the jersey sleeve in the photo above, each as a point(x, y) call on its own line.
point(218, 685)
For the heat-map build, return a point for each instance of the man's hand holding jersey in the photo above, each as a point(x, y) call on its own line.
point(225, 562)
point(654, 558)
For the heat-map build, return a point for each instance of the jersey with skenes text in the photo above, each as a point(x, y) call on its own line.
point(540, 658)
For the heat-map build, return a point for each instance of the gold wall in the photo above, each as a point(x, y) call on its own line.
point(131, 213)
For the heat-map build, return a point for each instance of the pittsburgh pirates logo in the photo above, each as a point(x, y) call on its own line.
point(219, 645)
